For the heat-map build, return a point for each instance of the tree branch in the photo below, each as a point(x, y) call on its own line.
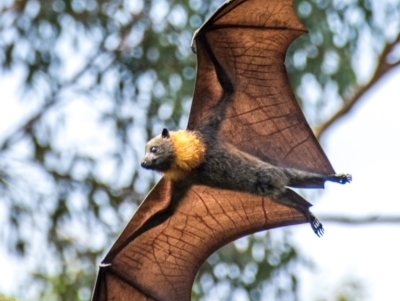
point(364, 220)
point(382, 68)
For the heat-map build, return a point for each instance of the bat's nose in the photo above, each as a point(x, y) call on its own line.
point(145, 163)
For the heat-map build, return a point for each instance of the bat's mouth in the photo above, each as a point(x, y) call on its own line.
point(146, 164)
point(154, 164)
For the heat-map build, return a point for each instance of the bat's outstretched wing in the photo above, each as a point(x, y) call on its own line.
point(177, 227)
point(248, 40)
point(161, 263)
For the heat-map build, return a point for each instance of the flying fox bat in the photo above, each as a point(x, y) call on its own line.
point(227, 175)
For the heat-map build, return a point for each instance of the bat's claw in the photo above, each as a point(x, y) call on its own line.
point(341, 178)
point(345, 178)
point(104, 264)
point(193, 41)
point(316, 226)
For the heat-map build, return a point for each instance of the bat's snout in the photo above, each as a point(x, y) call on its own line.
point(146, 163)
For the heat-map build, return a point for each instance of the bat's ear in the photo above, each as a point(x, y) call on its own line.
point(165, 133)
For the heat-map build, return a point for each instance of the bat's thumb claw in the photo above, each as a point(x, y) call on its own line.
point(193, 41)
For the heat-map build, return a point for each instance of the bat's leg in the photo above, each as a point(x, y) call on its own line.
point(292, 199)
point(303, 179)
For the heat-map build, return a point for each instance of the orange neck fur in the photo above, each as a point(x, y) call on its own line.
point(189, 154)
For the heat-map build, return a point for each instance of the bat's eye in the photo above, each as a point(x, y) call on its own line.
point(153, 149)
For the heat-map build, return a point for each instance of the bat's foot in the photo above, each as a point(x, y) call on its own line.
point(316, 226)
point(342, 178)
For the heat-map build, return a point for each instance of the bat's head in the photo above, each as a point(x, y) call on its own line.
point(159, 153)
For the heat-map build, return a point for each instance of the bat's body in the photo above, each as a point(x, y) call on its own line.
point(203, 158)
point(228, 174)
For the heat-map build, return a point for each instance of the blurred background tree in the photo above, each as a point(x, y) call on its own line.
point(89, 82)
point(5, 298)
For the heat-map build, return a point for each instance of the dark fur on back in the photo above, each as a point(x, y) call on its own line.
point(226, 167)
point(229, 168)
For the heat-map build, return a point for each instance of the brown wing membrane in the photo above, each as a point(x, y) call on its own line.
point(161, 263)
point(249, 40)
point(109, 285)
point(176, 228)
